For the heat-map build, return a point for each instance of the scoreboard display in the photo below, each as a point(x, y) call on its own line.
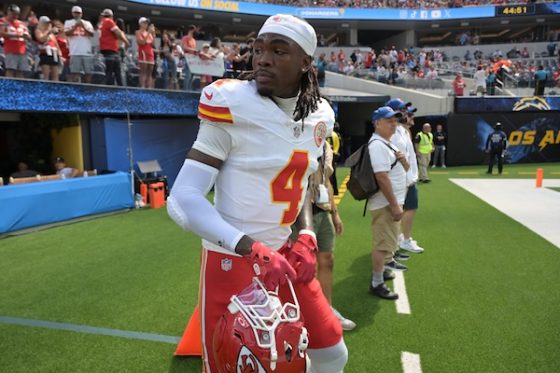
point(515, 10)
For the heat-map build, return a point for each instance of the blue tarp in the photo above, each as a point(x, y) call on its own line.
point(28, 205)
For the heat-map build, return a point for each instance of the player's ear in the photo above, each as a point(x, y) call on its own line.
point(307, 63)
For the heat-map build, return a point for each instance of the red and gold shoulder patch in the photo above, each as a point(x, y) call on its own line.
point(214, 113)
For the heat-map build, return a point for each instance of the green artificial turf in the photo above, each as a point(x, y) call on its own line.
point(484, 296)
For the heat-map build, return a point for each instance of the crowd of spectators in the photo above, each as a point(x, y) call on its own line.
point(75, 50)
point(400, 4)
point(424, 68)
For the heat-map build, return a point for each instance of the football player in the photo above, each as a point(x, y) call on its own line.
point(258, 142)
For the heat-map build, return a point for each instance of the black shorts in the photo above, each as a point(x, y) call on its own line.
point(47, 60)
point(411, 200)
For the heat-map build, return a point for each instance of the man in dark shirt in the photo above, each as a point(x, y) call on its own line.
point(23, 171)
point(540, 81)
point(496, 145)
point(440, 140)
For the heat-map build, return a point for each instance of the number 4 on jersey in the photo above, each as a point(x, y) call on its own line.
point(287, 185)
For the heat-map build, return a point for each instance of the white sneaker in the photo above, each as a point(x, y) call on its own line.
point(344, 322)
point(410, 245)
point(443, 166)
point(433, 166)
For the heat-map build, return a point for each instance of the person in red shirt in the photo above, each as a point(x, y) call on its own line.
point(145, 36)
point(15, 34)
point(58, 30)
point(188, 43)
point(110, 35)
point(459, 85)
point(49, 51)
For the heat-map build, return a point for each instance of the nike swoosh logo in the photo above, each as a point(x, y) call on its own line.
point(209, 95)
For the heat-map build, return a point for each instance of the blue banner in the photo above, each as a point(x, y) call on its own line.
point(329, 13)
point(506, 104)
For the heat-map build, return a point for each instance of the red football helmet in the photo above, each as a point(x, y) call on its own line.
point(259, 334)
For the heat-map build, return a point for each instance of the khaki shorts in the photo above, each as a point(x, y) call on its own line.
point(385, 231)
point(16, 62)
point(324, 231)
point(81, 63)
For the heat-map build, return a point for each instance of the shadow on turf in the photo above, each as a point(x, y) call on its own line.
point(351, 295)
point(185, 364)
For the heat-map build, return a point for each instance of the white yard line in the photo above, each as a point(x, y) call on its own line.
point(400, 288)
point(536, 208)
point(410, 362)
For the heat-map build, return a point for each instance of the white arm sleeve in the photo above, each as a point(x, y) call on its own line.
point(188, 207)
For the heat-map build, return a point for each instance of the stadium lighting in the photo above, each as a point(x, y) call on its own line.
point(435, 25)
point(156, 12)
point(236, 20)
point(198, 16)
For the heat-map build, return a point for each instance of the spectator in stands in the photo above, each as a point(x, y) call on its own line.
point(188, 44)
point(440, 142)
point(247, 53)
point(205, 55)
point(432, 74)
point(321, 66)
point(169, 64)
point(390, 167)
point(480, 80)
point(459, 85)
point(80, 33)
point(540, 81)
point(145, 36)
point(58, 31)
point(16, 35)
point(23, 171)
point(64, 171)
point(424, 148)
point(110, 35)
point(551, 47)
point(491, 82)
point(525, 52)
point(50, 55)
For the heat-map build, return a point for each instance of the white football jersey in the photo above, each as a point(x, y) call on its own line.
point(262, 183)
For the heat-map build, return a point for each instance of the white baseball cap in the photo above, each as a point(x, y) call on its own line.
point(107, 13)
point(142, 20)
point(44, 19)
point(294, 28)
point(76, 9)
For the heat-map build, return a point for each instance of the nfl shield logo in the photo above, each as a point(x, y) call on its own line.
point(226, 264)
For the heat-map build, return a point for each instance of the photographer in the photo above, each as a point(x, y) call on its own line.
point(79, 33)
point(49, 52)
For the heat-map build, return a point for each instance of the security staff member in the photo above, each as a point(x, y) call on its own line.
point(540, 81)
point(496, 145)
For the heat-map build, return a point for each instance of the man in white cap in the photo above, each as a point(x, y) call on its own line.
point(80, 33)
point(258, 142)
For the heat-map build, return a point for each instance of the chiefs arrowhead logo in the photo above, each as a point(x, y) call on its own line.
point(209, 95)
point(247, 362)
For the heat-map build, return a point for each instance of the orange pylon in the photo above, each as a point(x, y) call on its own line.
point(191, 341)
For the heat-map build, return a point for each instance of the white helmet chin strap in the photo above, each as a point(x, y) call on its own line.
point(264, 312)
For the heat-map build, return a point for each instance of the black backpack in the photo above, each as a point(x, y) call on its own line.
point(362, 183)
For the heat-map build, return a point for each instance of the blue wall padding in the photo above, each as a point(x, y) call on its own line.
point(28, 205)
point(165, 140)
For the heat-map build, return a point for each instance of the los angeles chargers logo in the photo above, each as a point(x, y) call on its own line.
point(531, 103)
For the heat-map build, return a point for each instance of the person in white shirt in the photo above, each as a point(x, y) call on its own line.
point(480, 80)
point(389, 166)
point(79, 33)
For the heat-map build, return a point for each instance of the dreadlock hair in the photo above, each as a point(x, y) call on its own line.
point(309, 97)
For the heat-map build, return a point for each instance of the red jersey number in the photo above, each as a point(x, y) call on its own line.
point(287, 185)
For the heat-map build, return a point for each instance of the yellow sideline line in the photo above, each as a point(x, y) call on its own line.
point(341, 190)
